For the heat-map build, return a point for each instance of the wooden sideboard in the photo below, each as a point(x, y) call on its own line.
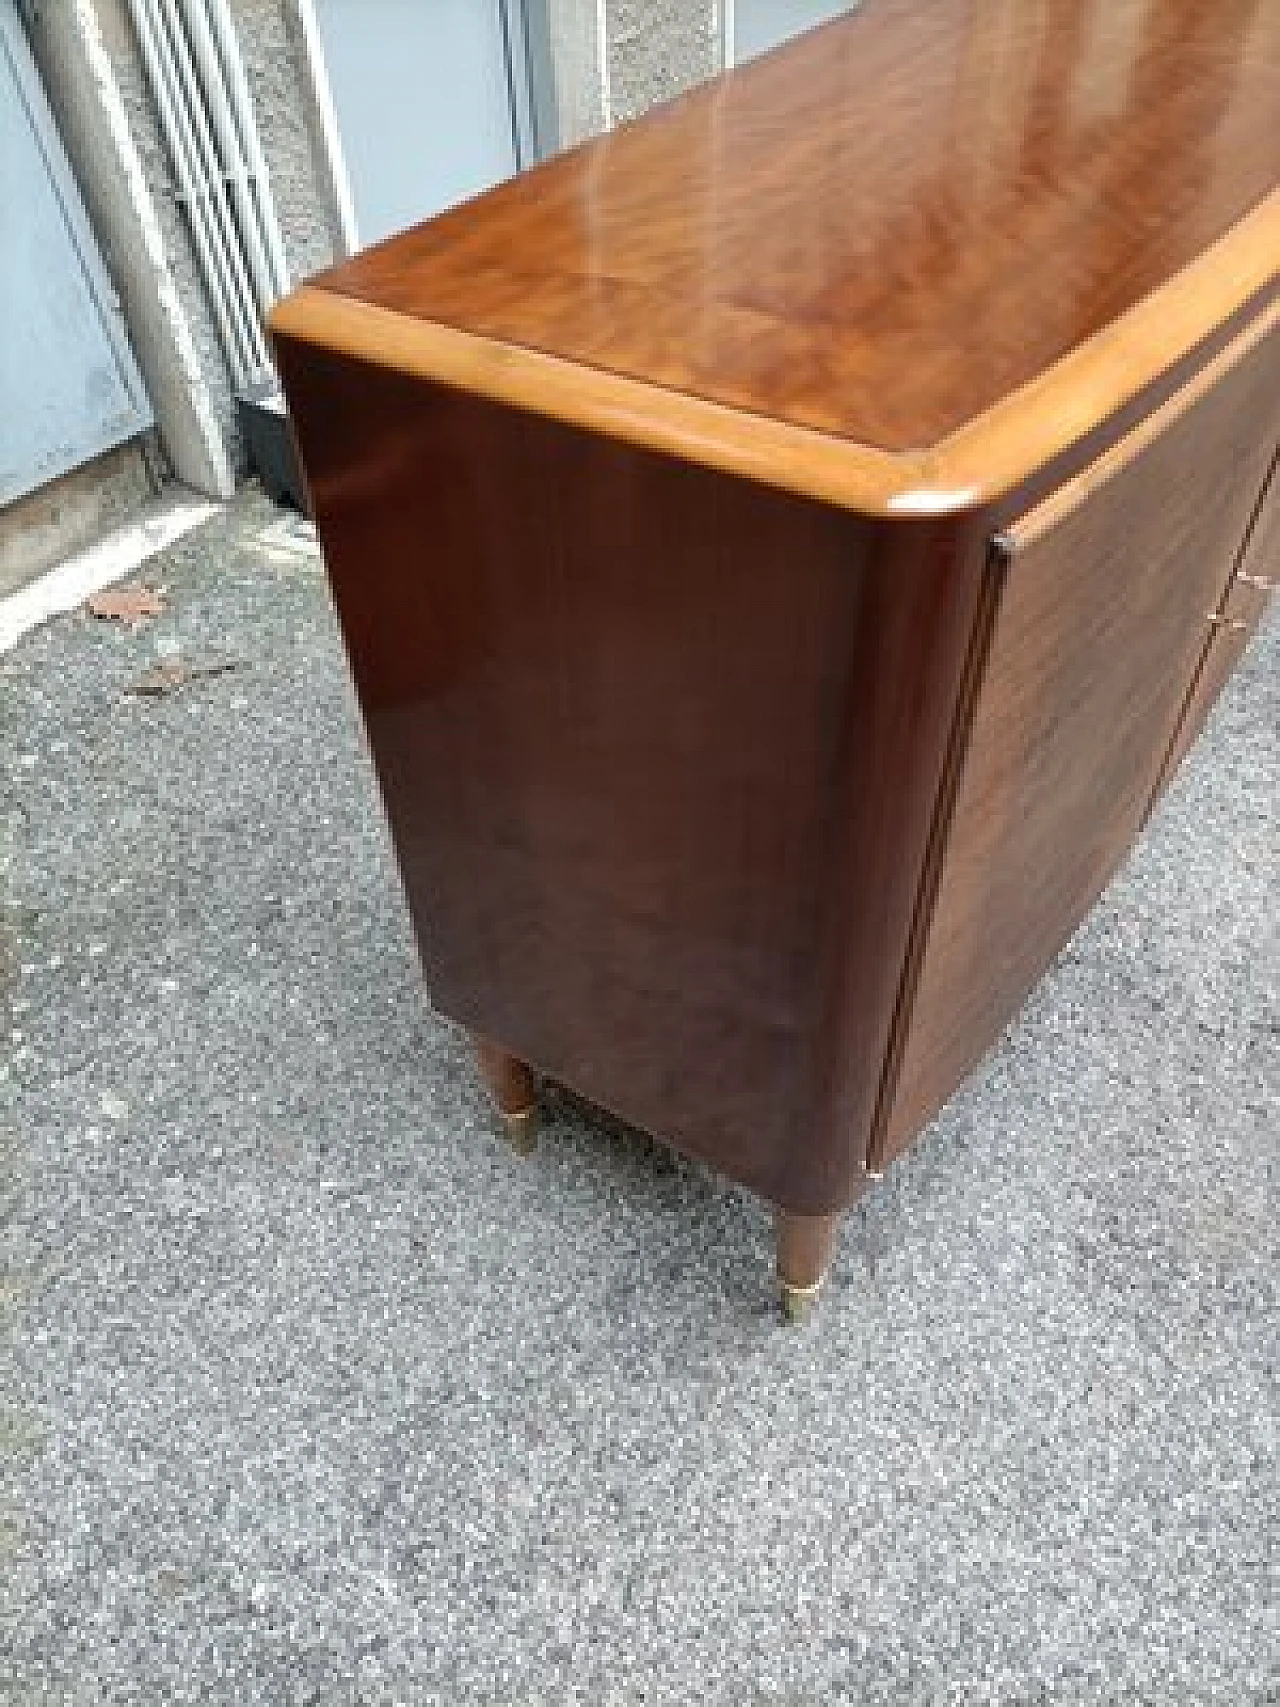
point(785, 546)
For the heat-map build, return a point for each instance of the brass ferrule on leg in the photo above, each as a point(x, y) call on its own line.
point(805, 1247)
point(798, 1301)
point(522, 1129)
point(513, 1088)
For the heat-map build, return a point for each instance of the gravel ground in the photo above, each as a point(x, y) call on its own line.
point(310, 1392)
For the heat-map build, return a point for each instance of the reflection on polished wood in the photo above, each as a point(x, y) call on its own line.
point(880, 233)
point(785, 546)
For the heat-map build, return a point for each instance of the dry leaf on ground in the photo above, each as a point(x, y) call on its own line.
point(131, 604)
point(169, 677)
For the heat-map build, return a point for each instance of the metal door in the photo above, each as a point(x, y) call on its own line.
point(69, 388)
point(432, 102)
point(754, 26)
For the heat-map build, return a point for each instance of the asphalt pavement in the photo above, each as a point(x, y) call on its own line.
point(311, 1392)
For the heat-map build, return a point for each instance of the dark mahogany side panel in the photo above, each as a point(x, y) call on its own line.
point(885, 227)
point(625, 715)
point(1100, 631)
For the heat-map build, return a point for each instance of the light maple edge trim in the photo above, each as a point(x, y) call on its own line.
point(758, 447)
point(975, 465)
point(1039, 420)
point(1068, 497)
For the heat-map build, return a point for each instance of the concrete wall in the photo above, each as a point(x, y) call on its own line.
point(131, 79)
point(178, 346)
point(275, 64)
point(68, 514)
point(613, 61)
point(658, 49)
point(105, 122)
point(578, 69)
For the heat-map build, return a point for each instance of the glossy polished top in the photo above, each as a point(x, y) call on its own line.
point(879, 232)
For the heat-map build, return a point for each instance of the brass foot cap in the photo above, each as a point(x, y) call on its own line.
point(797, 1301)
point(522, 1129)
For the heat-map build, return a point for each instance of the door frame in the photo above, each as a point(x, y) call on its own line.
point(531, 96)
point(526, 35)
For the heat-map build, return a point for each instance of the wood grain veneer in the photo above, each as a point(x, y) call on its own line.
point(899, 263)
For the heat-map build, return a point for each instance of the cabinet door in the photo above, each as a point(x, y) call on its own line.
point(1236, 621)
point(1099, 632)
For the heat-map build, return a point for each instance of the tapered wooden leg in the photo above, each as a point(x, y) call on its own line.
point(512, 1087)
point(806, 1244)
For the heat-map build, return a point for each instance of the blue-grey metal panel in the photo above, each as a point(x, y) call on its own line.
point(423, 94)
point(761, 24)
point(532, 72)
point(69, 388)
